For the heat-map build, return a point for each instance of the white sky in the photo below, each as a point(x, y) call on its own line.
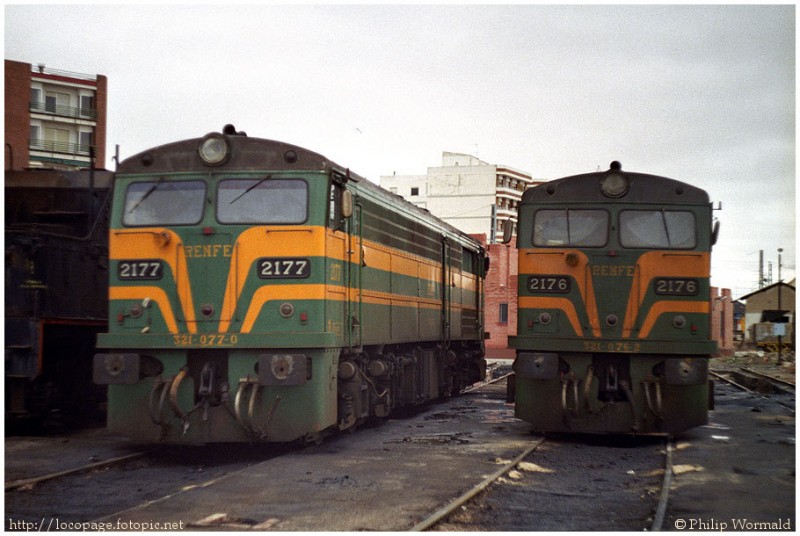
point(702, 94)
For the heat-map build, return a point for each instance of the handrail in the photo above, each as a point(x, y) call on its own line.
point(59, 147)
point(64, 111)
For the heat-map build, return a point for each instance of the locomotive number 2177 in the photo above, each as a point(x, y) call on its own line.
point(283, 268)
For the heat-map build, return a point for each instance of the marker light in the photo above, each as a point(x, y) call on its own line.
point(214, 149)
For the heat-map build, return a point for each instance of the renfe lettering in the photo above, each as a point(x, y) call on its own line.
point(209, 250)
point(613, 270)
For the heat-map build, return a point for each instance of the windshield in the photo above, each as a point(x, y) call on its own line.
point(657, 229)
point(264, 200)
point(563, 227)
point(164, 203)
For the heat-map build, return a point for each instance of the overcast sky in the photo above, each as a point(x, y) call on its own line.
point(702, 94)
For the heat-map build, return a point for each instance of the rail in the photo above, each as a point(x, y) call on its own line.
point(448, 509)
point(16, 484)
point(661, 509)
point(789, 389)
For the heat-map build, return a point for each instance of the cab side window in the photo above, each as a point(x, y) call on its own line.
point(335, 210)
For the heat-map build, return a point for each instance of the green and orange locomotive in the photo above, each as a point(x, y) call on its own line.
point(613, 332)
point(260, 292)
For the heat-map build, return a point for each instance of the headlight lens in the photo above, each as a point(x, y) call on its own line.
point(614, 185)
point(214, 149)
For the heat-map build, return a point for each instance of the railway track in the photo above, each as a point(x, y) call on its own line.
point(758, 384)
point(456, 435)
point(739, 470)
point(448, 509)
point(574, 483)
point(29, 482)
point(381, 478)
point(666, 486)
point(787, 386)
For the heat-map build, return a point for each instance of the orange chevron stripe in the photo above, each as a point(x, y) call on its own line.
point(562, 304)
point(660, 264)
point(664, 307)
point(157, 243)
point(555, 262)
point(255, 242)
point(156, 295)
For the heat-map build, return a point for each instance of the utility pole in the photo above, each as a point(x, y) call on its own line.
point(780, 309)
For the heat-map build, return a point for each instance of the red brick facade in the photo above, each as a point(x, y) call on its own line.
point(501, 299)
point(18, 82)
point(722, 320)
point(101, 103)
point(18, 115)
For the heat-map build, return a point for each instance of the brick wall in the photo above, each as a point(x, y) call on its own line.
point(101, 102)
point(501, 288)
point(722, 320)
point(17, 116)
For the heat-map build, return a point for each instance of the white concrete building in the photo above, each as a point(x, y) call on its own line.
point(470, 194)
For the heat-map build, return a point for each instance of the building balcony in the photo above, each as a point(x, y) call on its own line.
point(89, 114)
point(511, 193)
point(507, 213)
point(59, 147)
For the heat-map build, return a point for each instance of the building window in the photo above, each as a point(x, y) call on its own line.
point(87, 106)
point(503, 313)
point(56, 103)
point(36, 136)
point(36, 98)
point(85, 142)
point(414, 191)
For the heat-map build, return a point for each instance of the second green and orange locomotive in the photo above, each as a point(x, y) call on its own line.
point(613, 331)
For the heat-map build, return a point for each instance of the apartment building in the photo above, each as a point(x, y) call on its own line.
point(53, 119)
point(470, 194)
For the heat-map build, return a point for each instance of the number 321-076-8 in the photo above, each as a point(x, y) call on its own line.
point(612, 346)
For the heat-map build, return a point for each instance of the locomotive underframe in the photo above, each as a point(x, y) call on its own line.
point(286, 394)
point(612, 392)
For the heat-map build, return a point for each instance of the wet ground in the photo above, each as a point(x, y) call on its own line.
point(739, 470)
point(385, 477)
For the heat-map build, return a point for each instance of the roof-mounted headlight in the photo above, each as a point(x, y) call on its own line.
point(214, 149)
point(614, 184)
